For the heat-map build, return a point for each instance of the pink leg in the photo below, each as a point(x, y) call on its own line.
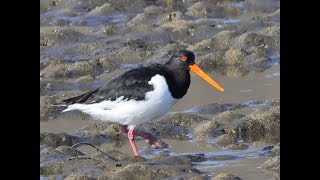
point(133, 144)
point(153, 141)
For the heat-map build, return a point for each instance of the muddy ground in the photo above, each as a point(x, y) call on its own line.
point(209, 134)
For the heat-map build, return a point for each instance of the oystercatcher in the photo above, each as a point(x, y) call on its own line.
point(141, 94)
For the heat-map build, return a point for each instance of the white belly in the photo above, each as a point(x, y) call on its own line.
point(132, 112)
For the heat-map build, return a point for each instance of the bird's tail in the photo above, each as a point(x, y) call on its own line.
point(68, 104)
point(59, 107)
point(80, 99)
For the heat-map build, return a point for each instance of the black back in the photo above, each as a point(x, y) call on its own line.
point(133, 84)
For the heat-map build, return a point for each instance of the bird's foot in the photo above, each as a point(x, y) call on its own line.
point(156, 144)
point(151, 140)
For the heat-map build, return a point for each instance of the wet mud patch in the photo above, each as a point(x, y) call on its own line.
point(221, 139)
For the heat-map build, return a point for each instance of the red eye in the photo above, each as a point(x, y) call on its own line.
point(183, 58)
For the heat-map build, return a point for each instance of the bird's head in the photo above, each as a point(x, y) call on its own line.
point(185, 60)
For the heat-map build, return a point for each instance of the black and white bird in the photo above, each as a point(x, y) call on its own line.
point(141, 94)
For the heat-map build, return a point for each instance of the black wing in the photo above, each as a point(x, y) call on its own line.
point(132, 84)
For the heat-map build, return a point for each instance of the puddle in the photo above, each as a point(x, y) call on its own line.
point(266, 149)
point(47, 178)
point(214, 159)
point(128, 65)
point(245, 90)
point(238, 4)
point(273, 75)
point(225, 20)
point(149, 153)
point(275, 59)
point(204, 166)
point(254, 103)
point(240, 156)
point(208, 108)
point(88, 20)
point(192, 110)
point(100, 20)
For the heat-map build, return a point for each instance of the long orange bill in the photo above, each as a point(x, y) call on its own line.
point(196, 69)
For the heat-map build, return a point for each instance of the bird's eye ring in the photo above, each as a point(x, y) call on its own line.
point(184, 58)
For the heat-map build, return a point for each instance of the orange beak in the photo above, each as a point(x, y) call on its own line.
point(196, 69)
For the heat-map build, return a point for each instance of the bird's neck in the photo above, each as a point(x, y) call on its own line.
point(178, 81)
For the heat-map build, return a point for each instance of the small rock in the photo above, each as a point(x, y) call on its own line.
point(207, 127)
point(107, 64)
point(67, 150)
point(110, 30)
point(49, 150)
point(222, 157)
point(262, 125)
point(78, 176)
point(57, 139)
point(46, 108)
point(74, 70)
point(176, 160)
point(225, 140)
point(216, 108)
point(134, 171)
point(226, 176)
point(272, 163)
point(153, 10)
point(162, 155)
point(235, 56)
point(104, 9)
point(237, 146)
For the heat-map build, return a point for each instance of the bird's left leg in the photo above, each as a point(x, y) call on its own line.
point(124, 128)
point(152, 140)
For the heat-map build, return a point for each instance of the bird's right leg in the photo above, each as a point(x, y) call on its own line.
point(132, 142)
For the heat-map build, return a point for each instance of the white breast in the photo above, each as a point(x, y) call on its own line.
point(132, 112)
